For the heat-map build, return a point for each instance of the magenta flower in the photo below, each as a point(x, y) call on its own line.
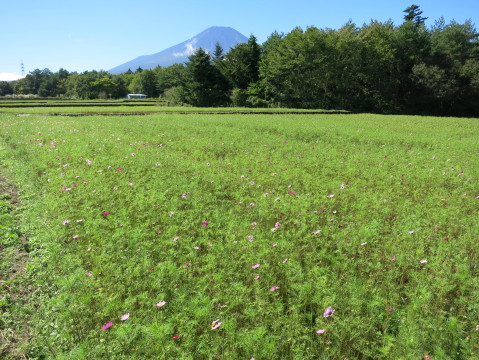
point(104, 213)
point(393, 259)
point(274, 288)
point(328, 312)
point(205, 223)
point(188, 263)
point(107, 325)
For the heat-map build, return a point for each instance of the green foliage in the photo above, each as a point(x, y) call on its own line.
point(374, 216)
point(413, 14)
point(5, 88)
point(378, 68)
point(203, 83)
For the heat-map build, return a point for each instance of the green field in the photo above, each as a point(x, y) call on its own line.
point(240, 236)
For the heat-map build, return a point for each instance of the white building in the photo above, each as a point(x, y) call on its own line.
point(136, 96)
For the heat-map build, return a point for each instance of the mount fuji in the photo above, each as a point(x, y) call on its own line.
point(227, 37)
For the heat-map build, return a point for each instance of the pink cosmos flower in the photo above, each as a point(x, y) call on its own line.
point(277, 225)
point(188, 263)
point(256, 277)
point(104, 213)
point(316, 232)
point(171, 213)
point(205, 223)
point(161, 304)
point(393, 259)
point(216, 324)
point(320, 331)
point(250, 238)
point(175, 337)
point(330, 196)
point(423, 261)
point(107, 325)
point(176, 238)
point(125, 317)
point(274, 288)
point(75, 236)
point(88, 273)
point(256, 266)
point(66, 222)
point(328, 312)
point(88, 162)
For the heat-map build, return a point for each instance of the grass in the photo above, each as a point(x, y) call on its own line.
point(124, 107)
point(265, 223)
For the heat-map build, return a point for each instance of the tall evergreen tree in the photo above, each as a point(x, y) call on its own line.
point(414, 14)
point(204, 84)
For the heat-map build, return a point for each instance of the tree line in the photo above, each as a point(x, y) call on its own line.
point(378, 67)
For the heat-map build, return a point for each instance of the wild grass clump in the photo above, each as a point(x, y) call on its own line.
point(241, 236)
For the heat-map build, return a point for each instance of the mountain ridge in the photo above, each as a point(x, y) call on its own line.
point(227, 37)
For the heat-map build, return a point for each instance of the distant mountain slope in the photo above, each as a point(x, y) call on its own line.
point(227, 37)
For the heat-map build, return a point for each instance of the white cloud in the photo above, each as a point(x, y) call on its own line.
point(9, 76)
point(189, 49)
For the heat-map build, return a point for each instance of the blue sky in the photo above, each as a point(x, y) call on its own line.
point(80, 35)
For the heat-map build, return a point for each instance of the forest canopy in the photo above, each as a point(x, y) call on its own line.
point(378, 67)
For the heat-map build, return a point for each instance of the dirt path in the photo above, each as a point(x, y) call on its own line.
point(14, 286)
